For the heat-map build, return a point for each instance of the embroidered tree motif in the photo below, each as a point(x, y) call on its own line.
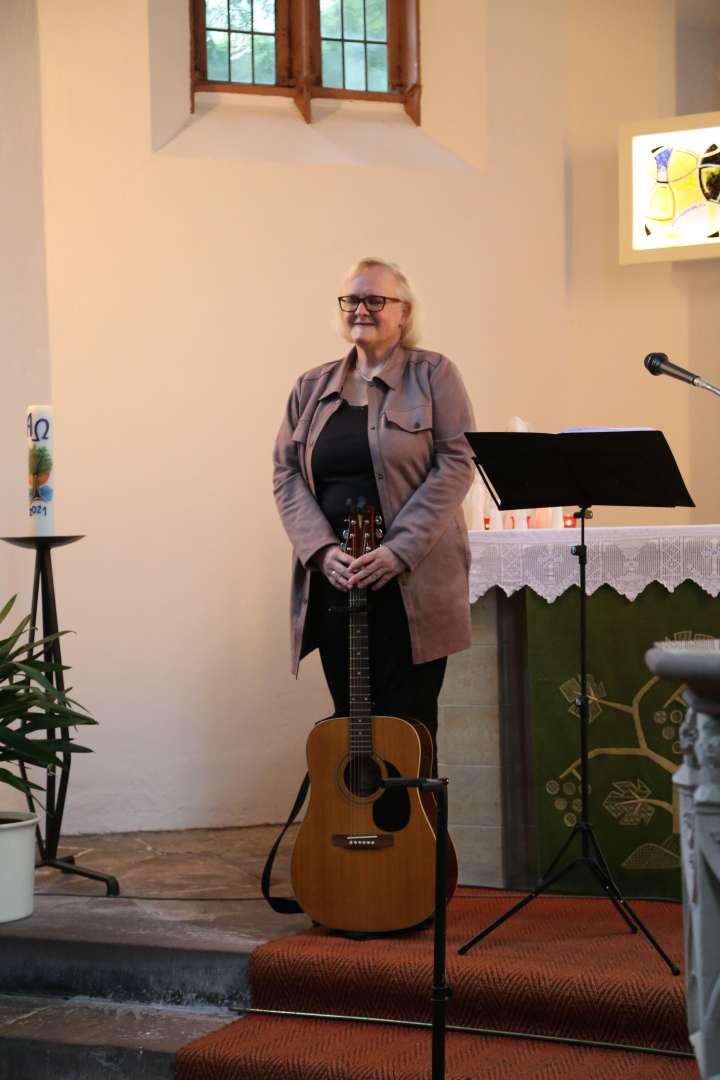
point(40, 465)
point(629, 802)
point(570, 690)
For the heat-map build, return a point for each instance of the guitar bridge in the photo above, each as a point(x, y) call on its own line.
point(363, 840)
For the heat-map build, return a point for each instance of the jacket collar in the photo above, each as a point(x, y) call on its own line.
point(390, 375)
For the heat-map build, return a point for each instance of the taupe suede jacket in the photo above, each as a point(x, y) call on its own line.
point(418, 411)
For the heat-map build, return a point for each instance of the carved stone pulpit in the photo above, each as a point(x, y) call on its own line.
point(697, 664)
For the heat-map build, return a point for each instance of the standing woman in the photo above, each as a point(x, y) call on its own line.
point(386, 422)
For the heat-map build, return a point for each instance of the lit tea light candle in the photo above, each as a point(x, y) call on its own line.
point(40, 430)
point(568, 521)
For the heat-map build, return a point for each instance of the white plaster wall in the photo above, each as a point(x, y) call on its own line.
point(24, 364)
point(698, 85)
point(192, 266)
point(24, 368)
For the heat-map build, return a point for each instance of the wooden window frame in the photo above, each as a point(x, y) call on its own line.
point(298, 64)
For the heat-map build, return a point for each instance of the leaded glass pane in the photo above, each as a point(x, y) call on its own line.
point(377, 74)
point(354, 65)
point(354, 23)
point(330, 19)
point(265, 58)
point(332, 64)
point(216, 14)
point(240, 15)
point(216, 44)
point(376, 22)
point(264, 16)
point(241, 58)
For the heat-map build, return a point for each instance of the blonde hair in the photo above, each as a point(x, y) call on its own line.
point(405, 291)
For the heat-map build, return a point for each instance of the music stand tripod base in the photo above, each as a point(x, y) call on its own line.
point(625, 468)
point(43, 593)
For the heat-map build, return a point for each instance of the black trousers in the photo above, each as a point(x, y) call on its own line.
point(397, 686)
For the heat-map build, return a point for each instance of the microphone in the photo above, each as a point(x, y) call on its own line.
point(657, 363)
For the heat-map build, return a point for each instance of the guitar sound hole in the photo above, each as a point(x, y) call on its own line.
point(362, 776)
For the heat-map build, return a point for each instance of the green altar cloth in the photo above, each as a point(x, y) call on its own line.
point(633, 738)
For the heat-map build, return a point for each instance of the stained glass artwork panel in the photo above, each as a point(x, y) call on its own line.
point(676, 188)
point(216, 44)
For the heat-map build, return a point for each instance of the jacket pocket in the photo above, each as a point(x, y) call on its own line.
point(417, 419)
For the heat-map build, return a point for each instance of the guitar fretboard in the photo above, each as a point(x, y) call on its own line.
point(359, 668)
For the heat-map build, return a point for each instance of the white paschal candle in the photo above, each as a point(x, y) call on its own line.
point(40, 427)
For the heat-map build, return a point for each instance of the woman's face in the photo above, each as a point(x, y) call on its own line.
point(377, 330)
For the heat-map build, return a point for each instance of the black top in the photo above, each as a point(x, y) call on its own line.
point(342, 465)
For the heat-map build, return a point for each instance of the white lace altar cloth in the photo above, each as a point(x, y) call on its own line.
point(627, 559)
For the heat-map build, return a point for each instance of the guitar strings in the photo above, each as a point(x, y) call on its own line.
point(359, 541)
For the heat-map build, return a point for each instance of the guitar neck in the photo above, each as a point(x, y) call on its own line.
point(359, 669)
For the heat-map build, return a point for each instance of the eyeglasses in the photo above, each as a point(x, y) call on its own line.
point(372, 303)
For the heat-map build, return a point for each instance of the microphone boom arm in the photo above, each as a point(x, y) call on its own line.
point(703, 385)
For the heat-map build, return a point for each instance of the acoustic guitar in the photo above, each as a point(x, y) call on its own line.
point(364, 856)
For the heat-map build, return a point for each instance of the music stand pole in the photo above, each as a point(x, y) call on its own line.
point(591, 852)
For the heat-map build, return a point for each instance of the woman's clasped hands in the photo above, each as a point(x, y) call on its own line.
point(371, 571)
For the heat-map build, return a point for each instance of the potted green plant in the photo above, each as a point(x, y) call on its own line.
point(31, 708)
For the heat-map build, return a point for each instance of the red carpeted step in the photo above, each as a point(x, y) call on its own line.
point(271, 1048)
point(562, 966)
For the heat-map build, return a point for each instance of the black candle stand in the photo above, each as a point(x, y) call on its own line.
point(43, 593)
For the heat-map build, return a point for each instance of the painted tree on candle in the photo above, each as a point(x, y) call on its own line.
point(40, 465)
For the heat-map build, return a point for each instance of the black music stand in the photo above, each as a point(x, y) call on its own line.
point(55, 793)
point(584, 469)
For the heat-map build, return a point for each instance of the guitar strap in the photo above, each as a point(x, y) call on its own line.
point(284, 905)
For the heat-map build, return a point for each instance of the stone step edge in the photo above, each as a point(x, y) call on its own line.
point(86, 1021)
point(143, 974)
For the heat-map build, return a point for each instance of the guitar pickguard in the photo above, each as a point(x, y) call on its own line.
point(391, 812)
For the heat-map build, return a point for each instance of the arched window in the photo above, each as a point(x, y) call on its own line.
point(308, 49)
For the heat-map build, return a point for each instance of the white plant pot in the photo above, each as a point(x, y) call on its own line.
point(17, 864)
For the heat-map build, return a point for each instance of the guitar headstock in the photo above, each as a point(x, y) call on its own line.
point(363, 528)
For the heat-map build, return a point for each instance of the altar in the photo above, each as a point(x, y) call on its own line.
point(508, 737)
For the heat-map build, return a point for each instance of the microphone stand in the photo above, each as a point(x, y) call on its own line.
point(441, 991)
point(703, 385)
